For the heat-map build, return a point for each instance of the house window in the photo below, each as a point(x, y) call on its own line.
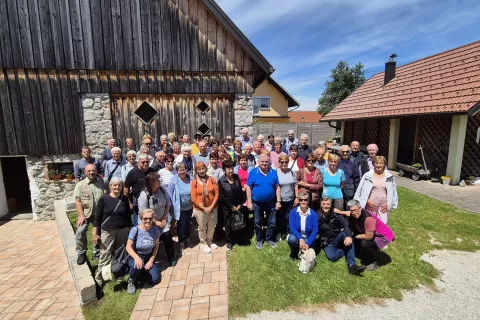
point(260, 103)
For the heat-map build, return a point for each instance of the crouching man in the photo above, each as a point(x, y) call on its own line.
point(336, 236)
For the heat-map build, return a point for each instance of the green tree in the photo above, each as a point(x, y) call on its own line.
point(344, 80)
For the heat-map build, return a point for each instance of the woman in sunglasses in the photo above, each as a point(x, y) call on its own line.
point(142, 253)
point(168, 172)
point(156, 197)
point(309, 179)
point(287, 182)
point(303, 223)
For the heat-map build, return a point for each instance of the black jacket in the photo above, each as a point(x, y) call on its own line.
point(156, 165)
point(230, 195)
point(329, 227)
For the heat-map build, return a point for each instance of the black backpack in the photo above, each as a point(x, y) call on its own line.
point(238, 221)
point(120, 259)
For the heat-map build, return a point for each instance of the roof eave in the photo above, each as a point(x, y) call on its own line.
point(292, 102)
point(239, 36)
point(396, 116)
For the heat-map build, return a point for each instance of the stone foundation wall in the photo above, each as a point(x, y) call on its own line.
point(97, 118)
point(243, 107)
point(45, 192)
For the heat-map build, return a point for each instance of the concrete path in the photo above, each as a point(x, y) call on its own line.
point(196, 288)
point(463, 197)
point(35, 281)
point(457, 297)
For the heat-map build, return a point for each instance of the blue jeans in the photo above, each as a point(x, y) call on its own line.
point(334, 251)
point(153, 275)
point(135, 212)
point(259, 209)
point(183, 225)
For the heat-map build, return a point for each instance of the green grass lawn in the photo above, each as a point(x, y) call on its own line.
point(116, 302)
point(267, 280)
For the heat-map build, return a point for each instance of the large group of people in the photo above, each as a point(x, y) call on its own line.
point(304, 194)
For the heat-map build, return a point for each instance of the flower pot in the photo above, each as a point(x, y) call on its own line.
point(69, 177)
point(57, 177)
point(446, 181)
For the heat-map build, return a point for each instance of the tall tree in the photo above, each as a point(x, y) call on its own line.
point(344, 80)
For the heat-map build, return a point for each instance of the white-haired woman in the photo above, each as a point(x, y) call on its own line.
point(304, 149)
point(131, 163)
point(261, 139)
point(142, 258)
point(111, 225)
point(176, 149)
point(187, 159)
point(323, 144)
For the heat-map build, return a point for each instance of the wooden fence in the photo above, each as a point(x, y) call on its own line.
point(316, 131)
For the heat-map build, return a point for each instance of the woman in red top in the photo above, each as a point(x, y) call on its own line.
point(242, 170)
point(294, 162)
point(310, 179)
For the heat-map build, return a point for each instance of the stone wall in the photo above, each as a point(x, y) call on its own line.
point(44, 192)
point(243, 107)
point(97, 118)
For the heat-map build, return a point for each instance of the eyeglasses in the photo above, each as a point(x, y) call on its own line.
point(283, 162)
point(147, 219)
point(311, 161)
point(303, 200)
point(168, 161)
point(344, 151)
point(147, 144)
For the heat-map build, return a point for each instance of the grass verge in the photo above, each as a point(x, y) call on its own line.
point(267, 280)
point(116, 302)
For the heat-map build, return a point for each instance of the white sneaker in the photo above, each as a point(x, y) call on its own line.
point(279, 237)
point(206, 249)
point(213, 246)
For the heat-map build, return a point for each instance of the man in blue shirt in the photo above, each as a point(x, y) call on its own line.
point(244, 138)
point(79, 167)
point(113, 167)
point(202, 155)
point(321, 162)
point(352, 175)
point(264, 196)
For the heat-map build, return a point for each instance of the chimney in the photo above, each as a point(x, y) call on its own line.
point(390, 67)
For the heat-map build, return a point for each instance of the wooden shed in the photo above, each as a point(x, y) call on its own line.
point(184, 59)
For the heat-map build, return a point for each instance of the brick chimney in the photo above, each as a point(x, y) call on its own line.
point(390, 68)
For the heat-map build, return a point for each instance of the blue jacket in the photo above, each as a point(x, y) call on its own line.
point(311, 225)
point(174, 193)
point(235, 169)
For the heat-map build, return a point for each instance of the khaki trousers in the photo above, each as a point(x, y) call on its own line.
point(206, 225)
point(111, 240)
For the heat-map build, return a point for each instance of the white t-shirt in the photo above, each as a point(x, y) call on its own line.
point(165, 176)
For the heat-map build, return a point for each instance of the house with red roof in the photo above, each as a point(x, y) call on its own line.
point(433, 102)
point(304, 116)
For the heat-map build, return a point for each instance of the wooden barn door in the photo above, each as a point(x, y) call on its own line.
point(181, 114)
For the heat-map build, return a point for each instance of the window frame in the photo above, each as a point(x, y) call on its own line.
point(264, 109)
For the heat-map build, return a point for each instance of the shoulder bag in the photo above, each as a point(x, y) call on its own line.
point(120, 258)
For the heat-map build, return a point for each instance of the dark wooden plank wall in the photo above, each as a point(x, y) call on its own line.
point(177, 113)
point(40, 111)
point(148, 35)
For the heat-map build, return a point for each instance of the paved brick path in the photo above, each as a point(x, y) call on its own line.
point(35, 281)
point(196, 288)
point(462, 197)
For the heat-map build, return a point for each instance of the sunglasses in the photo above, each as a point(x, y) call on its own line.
point(147, 144)
point(283, 162)
point(310, 161)
point(303, 200)
point(147, 219)
point(344, 151)
point(168, 161)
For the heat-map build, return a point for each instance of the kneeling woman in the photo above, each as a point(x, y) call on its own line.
point(371, 234)
point(144, 238)
point(303, 223)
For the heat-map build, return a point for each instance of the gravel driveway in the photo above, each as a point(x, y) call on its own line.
point(458, 296)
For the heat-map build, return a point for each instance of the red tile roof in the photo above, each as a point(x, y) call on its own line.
point(448, 82)
point(304, 116)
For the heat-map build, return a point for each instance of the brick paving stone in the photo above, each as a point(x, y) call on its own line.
point(199, 311)
point(207, 277)
point(188, 292)
point(162, 292)
point(69, 313)
point(27, 315)
point(194, 279)
point(212, 266)
point(145, 303)
point(219, 276)
point(179, 274)
point(179, 313)
point(174, 293)
point(140, 315)
point(206, 289)
point(161, 308)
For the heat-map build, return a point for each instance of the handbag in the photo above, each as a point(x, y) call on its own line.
point(238, 222)
point(120, 259)
point(307, 260)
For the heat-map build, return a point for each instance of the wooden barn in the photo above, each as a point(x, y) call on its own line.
point(433, 102)
point(77, 72)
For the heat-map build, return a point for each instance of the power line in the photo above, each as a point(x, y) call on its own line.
point(324, 78)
